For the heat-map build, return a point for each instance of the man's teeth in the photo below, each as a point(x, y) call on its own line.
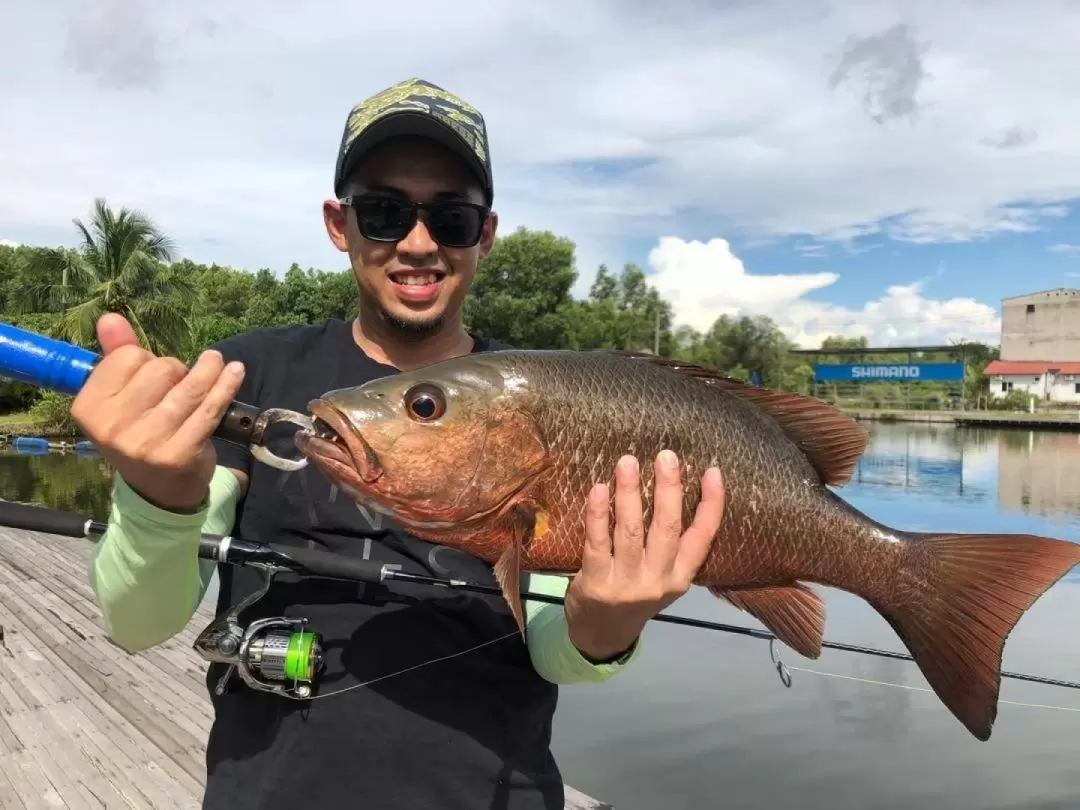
point(417, 281)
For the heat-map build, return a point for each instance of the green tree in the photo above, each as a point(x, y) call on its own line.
point(122, 265)
point(521, 293)
point(623, 312)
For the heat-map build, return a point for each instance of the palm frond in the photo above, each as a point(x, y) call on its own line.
point(163, 325)
point(79, 324)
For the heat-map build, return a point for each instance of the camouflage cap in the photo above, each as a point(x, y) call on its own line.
point(416, 107)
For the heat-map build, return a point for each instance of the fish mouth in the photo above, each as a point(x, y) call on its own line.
point(334, 442)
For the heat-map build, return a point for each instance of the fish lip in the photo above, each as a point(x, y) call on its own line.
point(357, 453)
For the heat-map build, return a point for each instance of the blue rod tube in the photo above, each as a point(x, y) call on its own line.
point(44, 362)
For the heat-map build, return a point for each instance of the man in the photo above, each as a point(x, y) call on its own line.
point(428, 699)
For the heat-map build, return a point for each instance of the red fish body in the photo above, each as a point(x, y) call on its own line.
point(495, 453)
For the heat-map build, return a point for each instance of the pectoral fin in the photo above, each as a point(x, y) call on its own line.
point(793, 612)
point(508, 566)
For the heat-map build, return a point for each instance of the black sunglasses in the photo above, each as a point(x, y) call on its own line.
point(451, 223)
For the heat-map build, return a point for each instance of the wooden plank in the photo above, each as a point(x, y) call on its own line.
point(9, 796)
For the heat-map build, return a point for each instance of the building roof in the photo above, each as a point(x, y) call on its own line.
point(1023, 368)
point(1058, 292)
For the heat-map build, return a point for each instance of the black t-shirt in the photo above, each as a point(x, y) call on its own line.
point(469, 732)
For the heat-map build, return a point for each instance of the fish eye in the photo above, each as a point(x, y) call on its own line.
point(425, 402)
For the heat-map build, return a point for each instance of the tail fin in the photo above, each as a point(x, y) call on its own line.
point(971, 592)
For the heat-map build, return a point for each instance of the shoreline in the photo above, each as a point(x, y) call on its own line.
point(1061, 420)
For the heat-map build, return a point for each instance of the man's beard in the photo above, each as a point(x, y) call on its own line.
point(413, 329)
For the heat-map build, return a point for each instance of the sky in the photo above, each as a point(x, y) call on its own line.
point(888, 170)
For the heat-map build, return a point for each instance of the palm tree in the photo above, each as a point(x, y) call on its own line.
point(123, 265)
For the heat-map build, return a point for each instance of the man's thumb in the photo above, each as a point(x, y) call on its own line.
point(114, 331)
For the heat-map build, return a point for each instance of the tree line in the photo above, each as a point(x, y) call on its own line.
point(522, 295)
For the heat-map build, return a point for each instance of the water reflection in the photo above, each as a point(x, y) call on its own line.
point(1024, 471)
point(1039, 472)
point(71, 481)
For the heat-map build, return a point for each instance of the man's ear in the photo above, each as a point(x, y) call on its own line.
point(336, 219)
point(488, 237)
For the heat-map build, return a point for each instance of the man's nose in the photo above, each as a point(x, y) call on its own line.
point(418, 242)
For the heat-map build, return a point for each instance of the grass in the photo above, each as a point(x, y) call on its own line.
point(17, 418)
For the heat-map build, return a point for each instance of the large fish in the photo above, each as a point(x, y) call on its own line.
point(495, 453)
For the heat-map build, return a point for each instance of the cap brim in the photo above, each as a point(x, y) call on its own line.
point(402, 123)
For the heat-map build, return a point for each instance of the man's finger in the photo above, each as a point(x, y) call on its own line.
point(205, 418)
point(667, 522)
point(113, 372)
point(148, 386)
point(697, 540)
point(114, 331)
point(629, 543)
point(185, 396)
point(596, 556)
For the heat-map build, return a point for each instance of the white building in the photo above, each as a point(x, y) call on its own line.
point(1047, 381)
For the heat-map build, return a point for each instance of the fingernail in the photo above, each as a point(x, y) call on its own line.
point(713, 474)
point(235, 367)
point(668, 459)
point(629, 464)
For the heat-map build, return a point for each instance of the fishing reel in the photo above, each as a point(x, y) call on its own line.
point(278, 655)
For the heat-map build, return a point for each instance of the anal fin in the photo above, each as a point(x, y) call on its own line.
point(794, 613)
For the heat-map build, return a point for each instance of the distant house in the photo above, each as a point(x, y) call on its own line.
point(1047, 381)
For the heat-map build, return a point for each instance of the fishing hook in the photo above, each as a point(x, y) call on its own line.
point(781, 667)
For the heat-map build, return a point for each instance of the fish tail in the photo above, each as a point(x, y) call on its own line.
point(956, 604)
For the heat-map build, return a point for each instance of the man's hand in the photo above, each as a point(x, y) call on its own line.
point(152, 418)
point(625, 582)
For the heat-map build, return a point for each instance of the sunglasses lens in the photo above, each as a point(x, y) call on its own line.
point(455, 225)
point(452, 224)
point(384, 220)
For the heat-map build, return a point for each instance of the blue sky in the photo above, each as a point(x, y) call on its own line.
point(862, 168)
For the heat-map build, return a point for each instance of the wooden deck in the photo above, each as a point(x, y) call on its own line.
point(82, 723)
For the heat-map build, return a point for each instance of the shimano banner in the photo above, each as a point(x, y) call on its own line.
point(890, 372)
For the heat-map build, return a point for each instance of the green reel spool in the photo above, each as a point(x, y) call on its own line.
point(302, 657)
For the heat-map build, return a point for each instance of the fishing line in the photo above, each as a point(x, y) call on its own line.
point(924, 689)
point(733, 629)
point(438, 660)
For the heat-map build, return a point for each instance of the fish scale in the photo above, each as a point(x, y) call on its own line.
point(745, 542)
point(500, 460)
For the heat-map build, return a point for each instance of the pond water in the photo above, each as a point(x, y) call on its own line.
point(702, 719)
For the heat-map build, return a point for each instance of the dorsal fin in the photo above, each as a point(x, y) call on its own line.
point(831, 439)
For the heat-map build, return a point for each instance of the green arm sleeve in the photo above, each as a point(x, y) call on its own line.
point(145, 570)
point(554, 656)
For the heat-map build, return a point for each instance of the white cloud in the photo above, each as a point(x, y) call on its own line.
point(1064, 247)
point(921, 121)
point(8, 243)
point(706, 280)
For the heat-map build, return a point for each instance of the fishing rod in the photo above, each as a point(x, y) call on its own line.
point(281, 655)
point(44, 362)
point(279, 647)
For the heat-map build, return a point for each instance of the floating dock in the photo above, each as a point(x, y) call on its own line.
point(83, 724)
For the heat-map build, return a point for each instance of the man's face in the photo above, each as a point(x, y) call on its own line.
point(419, 170)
